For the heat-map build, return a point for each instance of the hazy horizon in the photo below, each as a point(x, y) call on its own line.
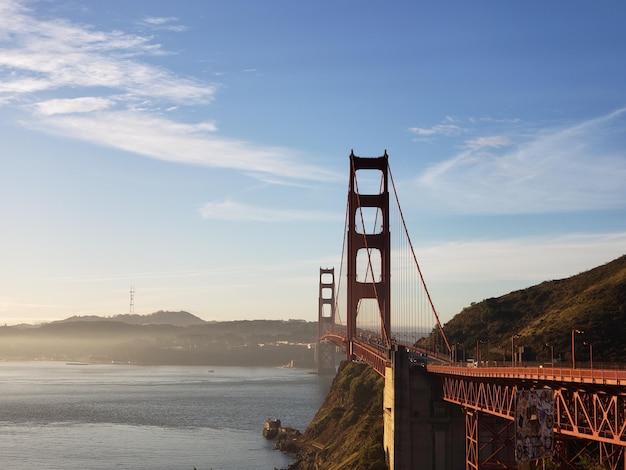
point(198, 151)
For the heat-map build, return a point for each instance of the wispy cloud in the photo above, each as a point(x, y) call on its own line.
point(536, 259)
point(577, 167)
point(169, 23)
point(482, 268)
point(154, 136)
point(50, 55)
point(495, 141)
point(446, 128)
point(73, 105)
point(107, 96)
point(233, 211)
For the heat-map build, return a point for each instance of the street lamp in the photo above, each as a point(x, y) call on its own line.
point(551, 346)
point(574, 331)
point(587, 343)
point(513, 349)
point(478, 351)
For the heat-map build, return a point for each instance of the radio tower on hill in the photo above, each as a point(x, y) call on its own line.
point(132, 299)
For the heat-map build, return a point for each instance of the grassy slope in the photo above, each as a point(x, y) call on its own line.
point(347, 430)
point(593, 301)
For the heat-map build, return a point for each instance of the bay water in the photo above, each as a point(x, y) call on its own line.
point(62, 416)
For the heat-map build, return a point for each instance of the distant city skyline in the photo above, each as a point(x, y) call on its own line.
point(198, 151)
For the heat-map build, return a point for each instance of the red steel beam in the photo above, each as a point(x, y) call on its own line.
point(552, 374)
point(366, 353)
point(593, 410)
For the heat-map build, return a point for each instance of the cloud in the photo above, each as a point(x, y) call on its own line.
point(439, 129)
point(160, 21)
point(535, 259)
point(107, 96)
point(493, 141)
point(448, 127)
point(569, 168)
point(164, 23)
point(75, 105)
point(160, 138)
point(233, 211)
point(40, 55)
point(459, 273)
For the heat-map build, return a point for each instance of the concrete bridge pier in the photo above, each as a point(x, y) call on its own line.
point(421, 431)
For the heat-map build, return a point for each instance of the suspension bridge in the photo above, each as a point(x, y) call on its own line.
point(438, 413)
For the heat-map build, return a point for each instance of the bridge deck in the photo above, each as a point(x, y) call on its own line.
point(554, 374)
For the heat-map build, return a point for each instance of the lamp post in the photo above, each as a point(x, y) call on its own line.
point(478, 351)
point(551, 346)
point(587, 343)
point(574, 331)
point(513, 349)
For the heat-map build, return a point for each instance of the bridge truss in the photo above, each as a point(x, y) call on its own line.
point(590, 411)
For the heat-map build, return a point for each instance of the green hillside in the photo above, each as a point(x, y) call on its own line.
point(593, 301)
point(347, 431)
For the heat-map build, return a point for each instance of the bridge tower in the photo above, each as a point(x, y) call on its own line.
point(366, 244)
point(325, 350)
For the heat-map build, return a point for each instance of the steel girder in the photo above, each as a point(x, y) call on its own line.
point(593, 412)
point(370, 355)
point(471, 439)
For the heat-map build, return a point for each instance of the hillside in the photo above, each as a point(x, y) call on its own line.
point(96, 339)
point(347, 431)
point(544, 316)
point(157, 318)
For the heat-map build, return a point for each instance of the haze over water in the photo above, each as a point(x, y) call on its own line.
point(70, 417)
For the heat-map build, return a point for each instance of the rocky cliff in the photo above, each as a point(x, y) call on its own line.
point(347, 431)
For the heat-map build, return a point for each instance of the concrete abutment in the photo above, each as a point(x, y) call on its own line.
point(421, 431)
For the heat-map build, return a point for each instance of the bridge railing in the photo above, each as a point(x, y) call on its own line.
point(593, 376)
point(371, 355)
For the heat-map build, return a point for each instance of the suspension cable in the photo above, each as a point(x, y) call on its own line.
point(343, 249)
point(432, 306)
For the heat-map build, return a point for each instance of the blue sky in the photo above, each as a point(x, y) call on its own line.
point(199, 150)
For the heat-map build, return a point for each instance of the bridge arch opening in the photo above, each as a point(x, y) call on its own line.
point(327, 311)
point(327, 278)
point(369, 221)
point(368, 265)
point(369, 181)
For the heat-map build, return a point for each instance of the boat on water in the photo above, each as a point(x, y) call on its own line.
point(271, 428)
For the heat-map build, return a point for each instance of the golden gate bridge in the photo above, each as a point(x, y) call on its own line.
point(379, 303)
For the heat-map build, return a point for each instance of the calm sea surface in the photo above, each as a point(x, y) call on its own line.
point(70, 417)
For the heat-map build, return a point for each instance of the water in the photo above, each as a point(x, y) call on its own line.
point(70, 417)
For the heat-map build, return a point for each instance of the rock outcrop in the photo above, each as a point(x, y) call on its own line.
point(347, 431)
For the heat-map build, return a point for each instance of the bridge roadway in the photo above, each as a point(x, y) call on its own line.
point(539, 374)
point(589, 404)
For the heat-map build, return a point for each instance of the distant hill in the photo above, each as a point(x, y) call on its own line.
point(105, 340)
point(157, 318)
point(593, 301)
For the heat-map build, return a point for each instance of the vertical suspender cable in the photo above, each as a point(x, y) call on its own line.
point(417, 265)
